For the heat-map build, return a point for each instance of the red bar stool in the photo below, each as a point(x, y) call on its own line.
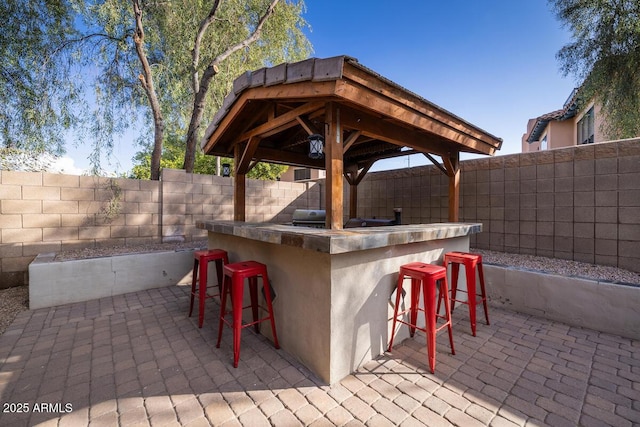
point(426, 277)
point(234, 277)
point(202, 259)
point(471, 262)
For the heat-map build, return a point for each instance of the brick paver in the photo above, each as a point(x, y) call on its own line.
point(137, 359)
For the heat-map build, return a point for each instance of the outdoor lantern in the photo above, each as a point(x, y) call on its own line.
point(226, 170)
point(315, 146)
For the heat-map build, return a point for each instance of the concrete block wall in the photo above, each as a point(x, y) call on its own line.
point(42, 212)
point(578, 203)
point(188, 198)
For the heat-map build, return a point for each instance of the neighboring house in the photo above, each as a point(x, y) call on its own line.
point(300, 174)
point(564, 128)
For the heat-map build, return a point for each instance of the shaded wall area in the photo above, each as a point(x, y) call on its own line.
point(43, 212)
point(579, 203)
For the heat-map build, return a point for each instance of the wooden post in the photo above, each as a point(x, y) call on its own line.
point(353, 200)
point(452, 164)
point(334, 167)
point(354, 176)
point(239, 184)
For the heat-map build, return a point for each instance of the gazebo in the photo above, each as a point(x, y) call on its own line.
point(335, 114)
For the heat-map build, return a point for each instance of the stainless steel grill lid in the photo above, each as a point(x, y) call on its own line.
point(316, 215)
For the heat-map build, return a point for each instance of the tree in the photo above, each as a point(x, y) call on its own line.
point(99, 66)
point(146, 80)
point(182, 52)
point(605, 55)
point(38, 87)
point(227, 39)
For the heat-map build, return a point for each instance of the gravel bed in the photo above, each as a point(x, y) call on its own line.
point(121, 250)
point(12, 302)
point(15, 300)
point(561, 267)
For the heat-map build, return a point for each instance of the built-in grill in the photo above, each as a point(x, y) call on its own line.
point(317, 218)
point(309, 218)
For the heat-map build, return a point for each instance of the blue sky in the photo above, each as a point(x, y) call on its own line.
point(490, 62)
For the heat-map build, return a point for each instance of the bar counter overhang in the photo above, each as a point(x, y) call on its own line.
point(334, 288)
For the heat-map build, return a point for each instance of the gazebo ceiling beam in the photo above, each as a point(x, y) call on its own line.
point(280, 123)
point(436, 163)
point(353, 136)
point(397, 135)
point(287, 158)
point(307, 125)
point(248, 154)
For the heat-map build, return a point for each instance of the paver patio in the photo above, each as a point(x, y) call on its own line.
point(137, 359)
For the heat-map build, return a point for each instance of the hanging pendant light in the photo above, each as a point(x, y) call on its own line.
point(316, 142)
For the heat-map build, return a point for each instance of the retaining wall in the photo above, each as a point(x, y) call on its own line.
point(43, 212)
point(599, 305)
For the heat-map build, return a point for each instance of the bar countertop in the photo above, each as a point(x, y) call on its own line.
point(340, 241)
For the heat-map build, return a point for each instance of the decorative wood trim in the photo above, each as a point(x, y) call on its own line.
point(369, 100)
point(422, 106)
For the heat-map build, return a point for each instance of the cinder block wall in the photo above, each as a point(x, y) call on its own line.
point(188, 198)
point(42, 212)
point(578, 203)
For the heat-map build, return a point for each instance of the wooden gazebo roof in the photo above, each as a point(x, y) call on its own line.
point(363, 117)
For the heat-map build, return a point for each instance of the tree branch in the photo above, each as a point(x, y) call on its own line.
point(195, 53)
point(147, 83)
point(212, 68)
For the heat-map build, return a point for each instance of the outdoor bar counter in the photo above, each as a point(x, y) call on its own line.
point(333, 287)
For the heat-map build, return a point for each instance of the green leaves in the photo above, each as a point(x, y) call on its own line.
point(70, 66)
point(36, 82)
point(605, 55)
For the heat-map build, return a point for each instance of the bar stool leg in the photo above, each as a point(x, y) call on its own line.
point(202, 291)
point(429, 293)
point(253, 292)
point(194, 278)
point(219, 265)
point(226, 289)
point(267, 297)
point(415, 301)
point(484, 295)
point(455, 272)
point(395, 310)
point(470, 272)
point(236, 299)
point(444, 290)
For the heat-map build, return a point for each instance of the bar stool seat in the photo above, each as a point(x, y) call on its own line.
point(425, 278)
point(233, 283)
point(472, 263)
point(201, 260)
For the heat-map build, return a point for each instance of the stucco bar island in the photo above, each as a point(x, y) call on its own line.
point(333, 287)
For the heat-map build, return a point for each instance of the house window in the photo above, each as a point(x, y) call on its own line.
point(543, 143)
point(300, 174)
point(585, 128)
